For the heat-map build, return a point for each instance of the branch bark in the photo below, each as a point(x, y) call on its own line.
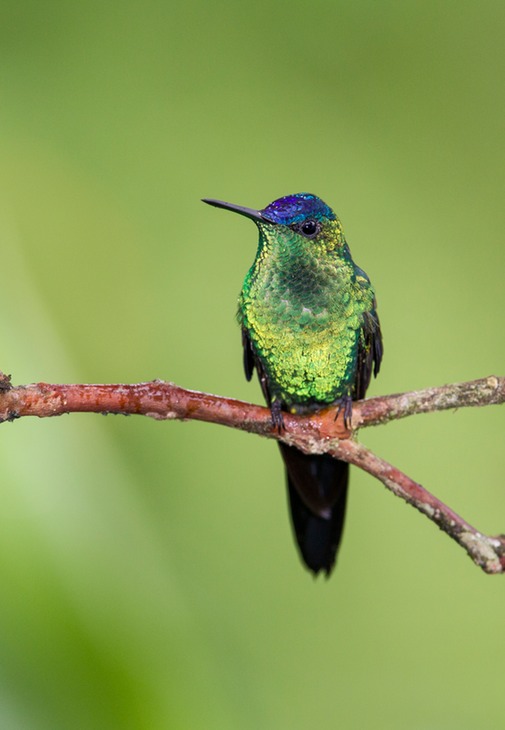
point(319, 433)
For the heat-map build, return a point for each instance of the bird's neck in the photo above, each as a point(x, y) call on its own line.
point(299, 279)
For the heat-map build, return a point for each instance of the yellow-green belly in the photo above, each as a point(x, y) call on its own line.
point(309, 357)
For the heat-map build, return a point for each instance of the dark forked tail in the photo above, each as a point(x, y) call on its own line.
point(317, 490)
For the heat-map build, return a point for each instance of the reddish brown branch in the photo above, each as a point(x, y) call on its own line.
point(315, 434)
point(483, 392)
point(487, 552)
point(163, 400)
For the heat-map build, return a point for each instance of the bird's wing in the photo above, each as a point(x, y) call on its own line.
point(370, 348)
point(251, 362)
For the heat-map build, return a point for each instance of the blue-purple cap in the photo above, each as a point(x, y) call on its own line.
point(296, 208)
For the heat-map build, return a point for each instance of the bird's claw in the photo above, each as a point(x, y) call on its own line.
point(277, 419)
point(345, 405)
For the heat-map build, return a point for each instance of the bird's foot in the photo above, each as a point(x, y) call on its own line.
point(277, 419)
point(345, 405)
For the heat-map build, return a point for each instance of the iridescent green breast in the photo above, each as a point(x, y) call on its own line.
point(305, 322)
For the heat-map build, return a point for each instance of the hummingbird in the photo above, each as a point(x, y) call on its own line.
point(310, 328)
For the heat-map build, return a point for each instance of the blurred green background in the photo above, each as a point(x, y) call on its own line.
point(147, 570)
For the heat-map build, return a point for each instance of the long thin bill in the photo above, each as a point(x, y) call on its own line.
point(255, 215)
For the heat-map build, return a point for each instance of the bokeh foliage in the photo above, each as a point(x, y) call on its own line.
point(149, 578)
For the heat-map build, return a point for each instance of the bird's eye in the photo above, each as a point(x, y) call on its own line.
point(309, 228)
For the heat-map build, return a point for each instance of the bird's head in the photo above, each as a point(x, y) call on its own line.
point(298, 223)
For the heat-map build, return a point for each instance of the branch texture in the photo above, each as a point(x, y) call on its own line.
point(319, 433)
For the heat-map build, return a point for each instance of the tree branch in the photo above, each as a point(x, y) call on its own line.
point(483, 392)
point(487, 552)
point(319, 433)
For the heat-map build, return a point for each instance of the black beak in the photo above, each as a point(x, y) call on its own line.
point(255, 215)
